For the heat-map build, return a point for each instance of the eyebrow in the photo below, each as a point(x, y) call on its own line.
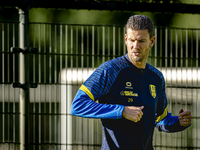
point(137, 39)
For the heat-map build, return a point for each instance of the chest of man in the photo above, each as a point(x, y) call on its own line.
point(133, 89)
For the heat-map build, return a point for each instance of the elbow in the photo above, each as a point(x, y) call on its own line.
point(73, 110)
point(76, 108)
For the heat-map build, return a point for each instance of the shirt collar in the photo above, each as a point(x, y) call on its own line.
point(138, 69)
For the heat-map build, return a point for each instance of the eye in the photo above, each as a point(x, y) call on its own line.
point(141, 41)
point(131, 40)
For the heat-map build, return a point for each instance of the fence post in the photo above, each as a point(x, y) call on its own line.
point(24, 78)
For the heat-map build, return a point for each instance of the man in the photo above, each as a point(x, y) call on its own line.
point(131, 95)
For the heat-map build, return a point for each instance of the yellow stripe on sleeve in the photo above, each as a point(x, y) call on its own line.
point(87, 91)
point(159, 118)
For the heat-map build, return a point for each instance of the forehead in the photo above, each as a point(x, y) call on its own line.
point(139, 34)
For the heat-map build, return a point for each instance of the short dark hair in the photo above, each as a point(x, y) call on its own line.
point(140, 22)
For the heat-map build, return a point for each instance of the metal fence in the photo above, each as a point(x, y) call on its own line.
point(66, 56)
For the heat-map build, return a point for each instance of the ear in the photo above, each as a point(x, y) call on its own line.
point(125, 37)
point(153, 39)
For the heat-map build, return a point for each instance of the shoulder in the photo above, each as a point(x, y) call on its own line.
point(103, 78)
point(108, 71)
point(156, 72)
point(115, 65)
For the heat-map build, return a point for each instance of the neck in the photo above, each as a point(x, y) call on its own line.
point(140, 65)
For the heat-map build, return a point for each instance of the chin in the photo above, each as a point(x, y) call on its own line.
point(136, 59)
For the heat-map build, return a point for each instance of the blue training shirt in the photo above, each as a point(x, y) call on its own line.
point(118, 83)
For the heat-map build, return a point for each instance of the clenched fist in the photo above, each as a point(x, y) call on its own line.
point(185, 118)
point(133, 113)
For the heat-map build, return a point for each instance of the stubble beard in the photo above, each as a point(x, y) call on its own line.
point(137, 59)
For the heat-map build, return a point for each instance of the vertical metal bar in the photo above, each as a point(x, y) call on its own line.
point(84, 121)
point(87, 128)
point(114, 42)
point(191, 51)
point(176, 66)
point(181, 55)
point(63, 103)
point(193, 72)
point(186, 48)
point(50, 50)
point(71, 46)
point(82, 47)
point(187, 61)
point(68, 93)
point(93, 34)
point(45, 81)
point(124, 43)
point(69, 117)
point(88, 39)
point(197, 93)
point(155, 137)
point(150, 57)
point(98, 45)
point(13, 71)
point(156, 49)
point(161, 45)
point(197, 47)
point(119, 41)
point(166, 46)
point(34, 81)
point(69, 97)
point(88, 65)
point(76, 47)
point(60, 100)
point(187, 80)
point(55, 87)
point(164, 137)
point(66, 46)
point(171, 89)
point(39, 89)
point(171, 48)
point(92, 123)
point(65, 122)
point(55, 52)
point(181, 78)
point(24, 94)
point(108, 42)
point(8, 80)
point(159, 137)
point(81, 135)
point(7, 88)
point(103, 43)
point(176, 47)
point(50, 87)
point(193, 84)
point(3, 86)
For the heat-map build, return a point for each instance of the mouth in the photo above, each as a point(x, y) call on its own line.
point(136, 53)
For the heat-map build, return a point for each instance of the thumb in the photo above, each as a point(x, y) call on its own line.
point(141, 107)
point(181, 111)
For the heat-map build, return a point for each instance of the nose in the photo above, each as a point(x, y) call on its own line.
point(135, 44)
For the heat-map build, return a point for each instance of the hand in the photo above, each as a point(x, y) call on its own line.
point(185, 118)
point(133, 113)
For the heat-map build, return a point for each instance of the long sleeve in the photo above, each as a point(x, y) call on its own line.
point(170, 124)
point(165, 121)
point(84, 106)
point(94, 88)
